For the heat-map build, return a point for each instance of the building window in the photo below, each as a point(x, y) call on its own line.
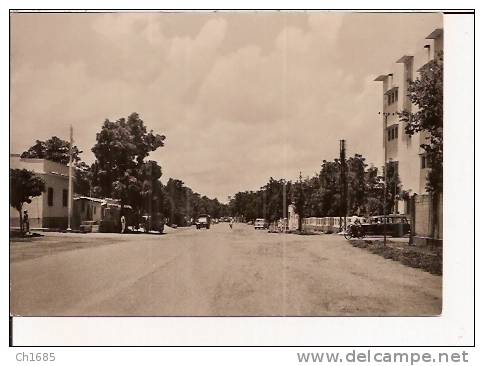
point(424, 162)
point(392, 133)
point(392, 96)
point(64, 197)
point(50, 196)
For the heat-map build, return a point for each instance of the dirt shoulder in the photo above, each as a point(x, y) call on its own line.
point(428, 259)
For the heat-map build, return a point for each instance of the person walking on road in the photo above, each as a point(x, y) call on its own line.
point(231, 223)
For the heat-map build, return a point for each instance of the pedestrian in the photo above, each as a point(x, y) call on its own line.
point(26, 222)
point(231, 222)
point(123, 224)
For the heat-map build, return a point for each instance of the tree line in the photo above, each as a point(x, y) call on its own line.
point(321, 194)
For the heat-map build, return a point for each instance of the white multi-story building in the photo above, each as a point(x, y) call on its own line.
point(402, 149)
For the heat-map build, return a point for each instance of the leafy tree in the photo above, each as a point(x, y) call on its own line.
point(176, 197)
point(120, 150)
point(54, 149)
point(356, 184)
point(315, 195)
point(329, 177)
point(82, 179)
point(24, 185)
point(57, 150)
point(393, 186)
point(272, 198)
point(426, 93)
point(374, 186)
point(151, 187)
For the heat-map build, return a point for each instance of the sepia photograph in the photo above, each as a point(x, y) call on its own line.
point(226, 164)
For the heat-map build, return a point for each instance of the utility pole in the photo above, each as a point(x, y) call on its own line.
point(385, 138)
point(69, 202)
point(284, 206)
point(343, 184)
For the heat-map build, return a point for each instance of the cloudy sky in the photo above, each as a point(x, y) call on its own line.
point(240, 97)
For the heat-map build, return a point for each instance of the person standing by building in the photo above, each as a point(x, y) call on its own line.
point(123, 224)
point(26, 224)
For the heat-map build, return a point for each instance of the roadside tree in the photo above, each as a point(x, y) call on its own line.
point(120, 150)
point(53, 149)
point(24, 185)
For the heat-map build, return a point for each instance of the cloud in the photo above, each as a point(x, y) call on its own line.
point(326, 24)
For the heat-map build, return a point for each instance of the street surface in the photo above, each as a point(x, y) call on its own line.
point(216, 272)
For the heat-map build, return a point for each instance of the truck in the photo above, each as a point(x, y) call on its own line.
point(203, 221)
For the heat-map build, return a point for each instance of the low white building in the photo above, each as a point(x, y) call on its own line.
point(49, 210)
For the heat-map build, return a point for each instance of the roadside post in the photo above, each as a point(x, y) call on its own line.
point(69, 202)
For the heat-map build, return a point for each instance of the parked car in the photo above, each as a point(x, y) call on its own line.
point(261, 224)
point(393, 225)
point(203, 221)
point(149, 223)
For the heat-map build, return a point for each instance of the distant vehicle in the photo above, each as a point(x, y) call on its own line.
point(203, 221)
point(261, 224)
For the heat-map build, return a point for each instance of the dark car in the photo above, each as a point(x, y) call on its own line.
point(203, 221)
point(393, 225)
point(152, 223)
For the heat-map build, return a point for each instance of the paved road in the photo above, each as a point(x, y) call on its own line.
point(213, 272)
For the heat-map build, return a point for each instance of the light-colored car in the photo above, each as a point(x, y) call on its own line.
point(260, 224)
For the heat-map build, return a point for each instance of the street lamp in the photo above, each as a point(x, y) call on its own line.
point(384, 78)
